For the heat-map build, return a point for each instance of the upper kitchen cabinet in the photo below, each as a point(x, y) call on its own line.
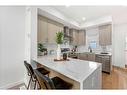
point(82, 37)
point(75, 37)
point(71, 35)
point(79, 37)
point(42, 29)
point(66, 32)
point(105, 35)
point(53, 28)
point(67, 35)
point(47, 30)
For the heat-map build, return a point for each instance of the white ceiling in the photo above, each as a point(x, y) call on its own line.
point(118, 13)
point(95, 15)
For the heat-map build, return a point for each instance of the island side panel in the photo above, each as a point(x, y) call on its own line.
point(94, 81)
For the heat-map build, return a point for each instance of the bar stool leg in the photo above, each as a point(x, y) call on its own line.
point(35, 84)
point(38, 87)
point(29, 82)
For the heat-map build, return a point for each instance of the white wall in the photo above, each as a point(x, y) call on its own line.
point(126, 47)
point(12, 43)
point(27, 34)
point(119, 31)
point(30, 33)
point(34, 14)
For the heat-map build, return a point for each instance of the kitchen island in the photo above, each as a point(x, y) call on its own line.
point(82, 74)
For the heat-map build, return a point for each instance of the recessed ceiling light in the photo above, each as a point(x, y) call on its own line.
point(83, 18)
point(67, 5)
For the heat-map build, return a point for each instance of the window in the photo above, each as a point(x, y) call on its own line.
point(93, 44)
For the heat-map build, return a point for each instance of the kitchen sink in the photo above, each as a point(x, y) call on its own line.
point(104, 53)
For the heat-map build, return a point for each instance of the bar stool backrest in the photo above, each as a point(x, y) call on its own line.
point(29, 68)
point(44, 81)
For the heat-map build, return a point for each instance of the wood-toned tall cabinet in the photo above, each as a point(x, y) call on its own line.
point(105, 35)
point(79, 37)
point(47, 30)
point(75, 37)
point(42, 30)
point(82, 37)
point(52, 30)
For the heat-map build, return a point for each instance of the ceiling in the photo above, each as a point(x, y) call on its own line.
point(76, 13)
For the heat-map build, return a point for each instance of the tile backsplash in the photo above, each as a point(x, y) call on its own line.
point(53, 47)
point(98, 49)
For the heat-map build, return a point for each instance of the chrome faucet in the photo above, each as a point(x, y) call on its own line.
point(89, 49)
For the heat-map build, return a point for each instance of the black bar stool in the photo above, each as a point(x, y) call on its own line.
point(52, 83)
point(32, 75)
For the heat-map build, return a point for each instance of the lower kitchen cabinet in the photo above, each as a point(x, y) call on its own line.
point(82, 56)
point(106, 62)
point(91, 57)
point(87, 56)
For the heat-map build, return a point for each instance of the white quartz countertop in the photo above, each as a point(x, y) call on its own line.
point(75, 69)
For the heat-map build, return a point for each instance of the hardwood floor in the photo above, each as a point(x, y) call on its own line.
point(116, 80)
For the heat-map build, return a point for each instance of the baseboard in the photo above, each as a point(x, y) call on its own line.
point(12, 84)
point(121, 68)
point(118, 66)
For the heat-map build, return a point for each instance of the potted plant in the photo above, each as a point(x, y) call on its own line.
point(59, 41)
point(41, 49)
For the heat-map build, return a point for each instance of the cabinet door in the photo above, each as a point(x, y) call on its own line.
point(71, 36)
point(98, 59)
point(81, 40)
point(105, 33)
point(106, 62)
point(75, 37)
point(91, 57)
point(42, 30)
point(52, 30)
point(109, 35)
point(86, 57)
point(83, 56)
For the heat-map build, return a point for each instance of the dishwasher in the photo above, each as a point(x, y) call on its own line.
point(106, 62)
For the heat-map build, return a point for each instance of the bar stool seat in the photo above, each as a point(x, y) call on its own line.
point(43, 71)
point(60, 83)
point(52, 83)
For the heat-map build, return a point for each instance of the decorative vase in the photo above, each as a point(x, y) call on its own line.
point(58, 52)
point(65, 56)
